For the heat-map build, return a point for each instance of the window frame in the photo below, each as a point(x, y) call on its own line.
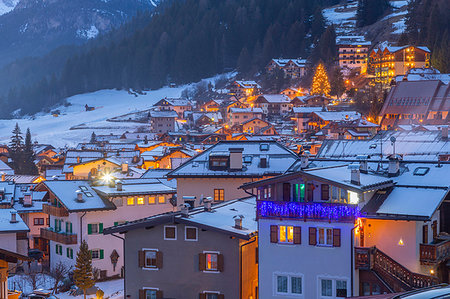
point(185, 234)
point(162, 202)
point(286, 234)
point(155, 267)
point(289, 276)
point(140, 198)
point(97, 224)
point(216, 270)
point(92, 254)
point(221, 195)
point(170, 239)
point(154, 200)
point(334, 280)
point(325, 236)
point(149, 289)
point(39, 224)
point(128, 201)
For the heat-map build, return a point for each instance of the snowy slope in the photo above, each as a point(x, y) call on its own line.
point(7, 5)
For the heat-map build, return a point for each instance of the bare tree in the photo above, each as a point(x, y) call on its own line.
point(59, 272)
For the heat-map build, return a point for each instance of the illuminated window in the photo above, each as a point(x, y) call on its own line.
point(161, 199)
point(130, 201)
point(286, 234)
point(219, 194)
point(325, 236)
point(140, 201)
point(353, 197)
point(151, 200)
point(211, 261)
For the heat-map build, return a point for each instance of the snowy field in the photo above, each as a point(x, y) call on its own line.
point(46, 128)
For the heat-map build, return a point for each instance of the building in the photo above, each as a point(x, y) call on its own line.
point(292, 92)
point(78, 211)
point(218, 171)
point(238, 116)
point(254, 125)
point(425, 102)
point(292, 68)
point(179, 105)
point(8, 257)
point(274, 104)
point(364, 230)
point(418, 74)
point(162, 121)
point(13, 231)
point(353, 52)
point(242, 89)
point(208, 252)
point(302, 116)
point(387, 62)
point(320, 119)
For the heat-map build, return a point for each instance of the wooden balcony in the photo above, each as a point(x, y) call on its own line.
point(54, 211)
point(67, 239)
point(431, 254)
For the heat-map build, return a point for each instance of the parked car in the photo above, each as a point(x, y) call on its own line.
point(41, 294)
point(36, 254)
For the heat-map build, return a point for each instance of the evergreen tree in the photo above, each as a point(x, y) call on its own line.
point(244, 62)
point(28, 156)
point(320, 84)
point(337, 84)
point(369, 11)
point(82, 275)
point(93, 138)
point(16, 149)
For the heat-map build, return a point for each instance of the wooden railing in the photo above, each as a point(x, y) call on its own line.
point(49, 234)
point(54, 211)
point(434, 253)
point(397, 276)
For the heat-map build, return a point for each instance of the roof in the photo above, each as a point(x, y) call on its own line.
point(137, 187)
point(245, 110)
point(338, 115)
point(279, 158)
point(12, 257)
point(66, 192)
point(220, 219)
point(175, 102)
point(247, 84)
point(254, 118)
point(5, 168)
point(6, 226)
point(306, 109)
point(157, 114)
point(274, 98)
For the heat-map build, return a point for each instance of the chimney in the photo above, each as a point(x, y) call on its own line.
point(355, 175)
point(80, 196)
point(444, 130)
point(3, 176)
point(27, 200)
point(236, 158)
point(78, 159)
point(304, 160)
point(207, 204)
point(394, 167)
point(124, 167)
point(13, 217)
point(238, 221)
point(119, 185)
point(363, 164)
point(185, 210)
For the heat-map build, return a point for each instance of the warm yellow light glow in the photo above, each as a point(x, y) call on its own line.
point(400, 242)
point(432, 272)
point(151, 200)
point(161, 199)
point(130, 201)
point(140, 201)
point(353, 197)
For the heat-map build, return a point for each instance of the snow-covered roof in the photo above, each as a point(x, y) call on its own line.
point(306, 109)
point(165, 113)
point(7, 191)
point(175, 102)
point(278, 159)
point(248, 84)
point(281, 62)
point(6, 226)
point(338, 115)
point(138, 187)
point(246, 110)
point(5, 168)
point(66, 192)
point(109, 147)
point(274, 98)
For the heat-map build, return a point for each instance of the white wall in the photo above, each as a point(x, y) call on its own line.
point(8, 241)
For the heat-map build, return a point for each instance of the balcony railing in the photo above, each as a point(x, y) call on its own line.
point(54, 211)
point(308, 211)
point(431, 254)
point(49, 234)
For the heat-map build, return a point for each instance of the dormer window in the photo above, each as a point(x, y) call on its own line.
point(264, 147)
point(421, 171)
point(219, 160)
point(248, 159)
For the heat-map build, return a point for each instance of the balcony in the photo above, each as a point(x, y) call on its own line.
point(315, 211)
point(54, 211)
point(431, 254)
point(50, 234)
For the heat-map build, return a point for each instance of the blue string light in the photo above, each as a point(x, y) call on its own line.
point(308, 210)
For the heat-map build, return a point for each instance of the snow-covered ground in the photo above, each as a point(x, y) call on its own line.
point(7, 5)
point(46, 128)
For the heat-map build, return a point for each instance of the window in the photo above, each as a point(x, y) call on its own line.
point(95, 228)
point(219, 194)
point(325, 236)
point(89, 194)
point(170, 232)
point(83, 188)
point(38, 221)
point(190, 233)
point(326, 287)
point(130, 201)
point(150, 294)
point(421, 171)
point(341, 288)
point(151, 200)
point(288, 284)
point(425, 234)
point(286, 234)
point(68, 227)
point(97, 254)
point(58, 249)
point(161, 199)
point(150, 259)
point(70, 253)
point(264, 147)
point(337, 288)
point(325, 191)
point(211, 261)
point(140, 200)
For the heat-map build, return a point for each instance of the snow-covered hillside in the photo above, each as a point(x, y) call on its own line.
point(7, 5)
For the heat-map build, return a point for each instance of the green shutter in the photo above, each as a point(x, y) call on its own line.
point(100, 228)
point(68, 252)
point(56, 247)
point(116, 223)
point(71, 253)
point(101, 254)
point(56, 225)
point(67, 227)
point(90, 253)
point(70, 227)
point(89, 229)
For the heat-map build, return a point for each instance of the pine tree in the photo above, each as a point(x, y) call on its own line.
point(337, 83)
point(16, 149)
point(320, 84)
point(82, 275)
point(244, 62)
point(28, 156)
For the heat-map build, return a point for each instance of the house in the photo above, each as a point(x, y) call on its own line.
point(211, 251)
point(365, 230)
point(292, 92)
point(166, 157)
point(218, 171)
point(320, 119)
point(8, 257)
point(425, 102)
point(79, 211)
point(94, 169)
point(13, 231)
point(418, 74)
point(302, 115)
point(254, 125)
point(310, 101)
point(242, 89)
point(387, 62)
point(162, 121)
point(274, 104)
point(350, 129)
point(239, 115)
point(179, 105)
point(292, 68)
point(353, 52)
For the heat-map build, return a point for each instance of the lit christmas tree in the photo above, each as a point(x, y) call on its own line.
point(320, 85)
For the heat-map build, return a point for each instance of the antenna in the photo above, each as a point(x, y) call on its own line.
point(393, 140)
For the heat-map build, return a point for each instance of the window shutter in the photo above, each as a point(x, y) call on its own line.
point(101, 254)
point(56, 225)
point(220, 262)
point(325, 190)
point(202, 296)
point(273, 234)
point(159, 294)
point(141, 294)
point(116, 223)
point(221, 296)
point(336, 237)
point(67, 227)
point(141, 258)
point(202, 261)
point(68, 253)
point(89, 229)
point(312, 236)
point(71, 253)
point(297, 235)
point(70, 227)
point(100, 228)
point(159, 259)
point(56, 248)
